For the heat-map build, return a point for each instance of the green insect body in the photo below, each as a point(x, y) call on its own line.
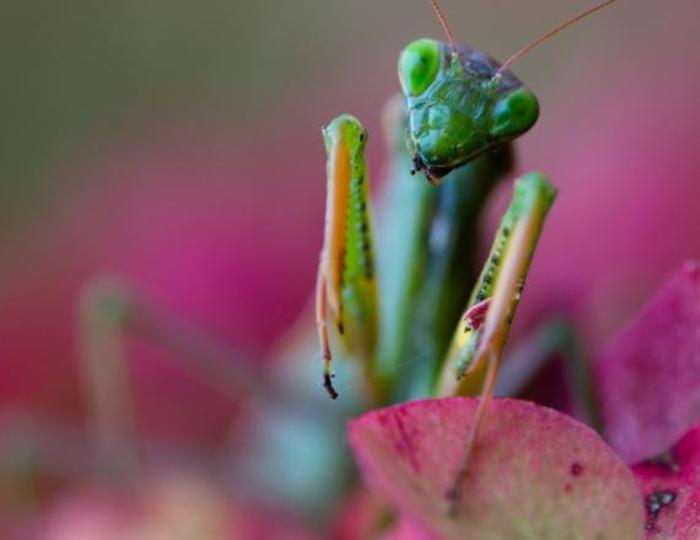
point(427, 262)
point(459, 117)
point(459, 105)
point(407, 208)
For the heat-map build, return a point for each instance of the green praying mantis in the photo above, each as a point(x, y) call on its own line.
point(459, 114)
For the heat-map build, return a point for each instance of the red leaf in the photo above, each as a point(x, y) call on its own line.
point(649, 378)
point(670, 484)
point(535, 473)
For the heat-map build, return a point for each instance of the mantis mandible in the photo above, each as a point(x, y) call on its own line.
point(460, 112)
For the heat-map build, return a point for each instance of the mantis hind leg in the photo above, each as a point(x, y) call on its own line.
point(110, 311)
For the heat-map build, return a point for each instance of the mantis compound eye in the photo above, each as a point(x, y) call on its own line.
point(514, 114)
point(419, 64)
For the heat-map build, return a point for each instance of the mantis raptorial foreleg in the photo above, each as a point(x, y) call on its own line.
point(474, 357)
point(346, 289)
point(518, 233)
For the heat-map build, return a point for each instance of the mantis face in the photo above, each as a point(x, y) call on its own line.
point(458, 106)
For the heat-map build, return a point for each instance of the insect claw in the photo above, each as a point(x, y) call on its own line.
point(328, 385)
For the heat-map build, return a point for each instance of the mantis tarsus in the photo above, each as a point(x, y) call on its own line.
point(461, 112)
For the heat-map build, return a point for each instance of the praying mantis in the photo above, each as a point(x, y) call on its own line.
point(458, 116)
point(407, 305)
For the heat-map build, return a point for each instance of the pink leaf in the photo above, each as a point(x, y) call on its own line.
point(670, 484)
point(408, 529)
point(649, 378)
point(535, 473)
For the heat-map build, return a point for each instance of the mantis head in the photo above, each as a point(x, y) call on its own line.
point(460, 102)
point(459, 105)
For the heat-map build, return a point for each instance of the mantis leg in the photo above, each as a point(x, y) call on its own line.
point(109, 312)
point(475, 354)
point(102, 318)
point(495, 297)
point(346, 287)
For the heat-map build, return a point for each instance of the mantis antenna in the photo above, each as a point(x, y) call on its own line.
point(551, 33)
point(445, 26)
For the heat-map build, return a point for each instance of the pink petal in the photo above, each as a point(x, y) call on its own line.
point(670, 484)
point(631, 197)
point(408, 529)
point(536, 473)
point(170, 508)
point(649, 378)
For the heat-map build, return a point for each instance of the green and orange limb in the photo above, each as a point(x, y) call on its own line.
point(475, 355)
point(346, 288)
point(109, 312)
point(465, 363)
point(103, 316)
